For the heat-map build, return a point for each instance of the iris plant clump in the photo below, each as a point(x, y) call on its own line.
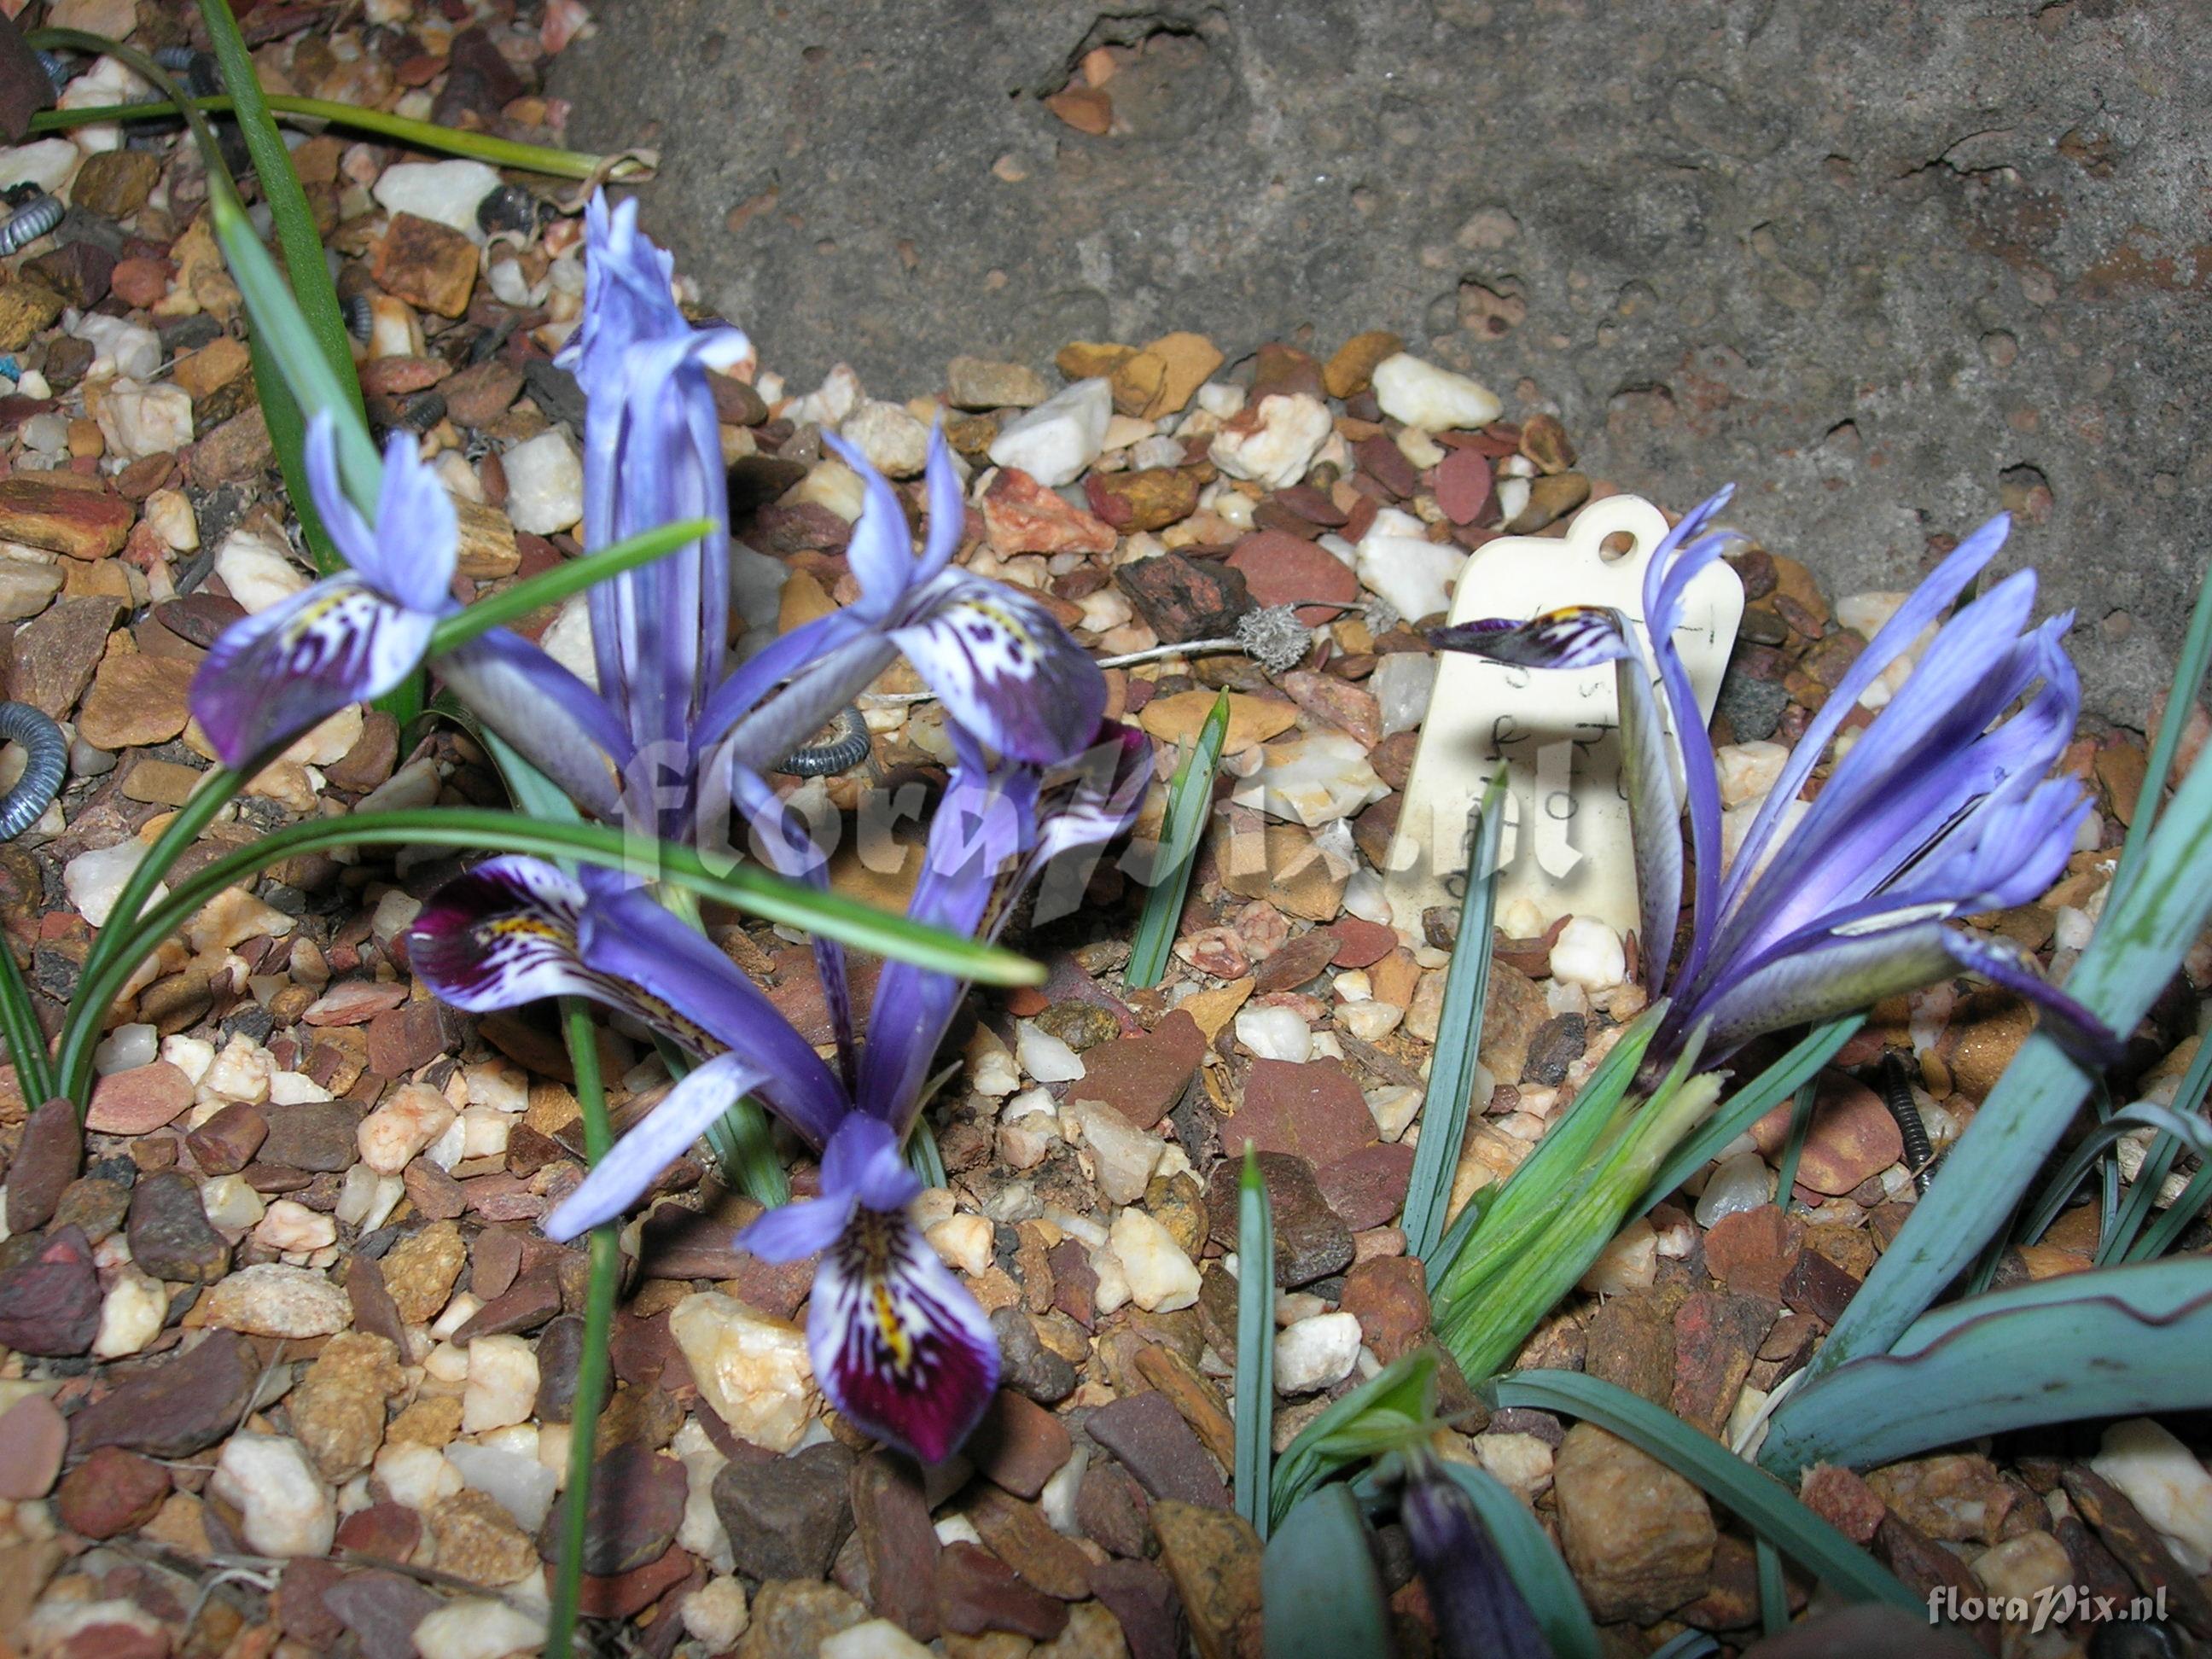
point(1942, 807)
point(674, 741)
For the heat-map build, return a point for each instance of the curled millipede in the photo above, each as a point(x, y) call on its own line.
point(1897, 1095)
point(60, 70)
point(27, 803)
point(29, 222)
point(359, 317)
point(837, 747)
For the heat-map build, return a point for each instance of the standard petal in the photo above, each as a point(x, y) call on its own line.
point(557, 723)
point(863, 1159)
point(417, 541)
point(1926, 602)
point(948, 506)
point(1003, 667)
point(658, 1140)
point(272, 676)
point(881, 550)
point(1578, 637)
point(899, 1346)
point(1654, 821)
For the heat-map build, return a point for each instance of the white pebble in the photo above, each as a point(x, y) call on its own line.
point(1270, 1033)
point(126, 1048)
point(1434, 400)
point(1316, 1353)
point(2162, 1480)
point(1054, 441)
point(1317, 779)
point(1743, 1182)
point(137, 421)
point(230, 1205)
point(521, 1485)
point(1414, 575)
point(131, 1315)
point(291, 1226)
point(1122, 1156)
point(478, 1628)
point(1630, 1262)
point(125, 349)
point(1044, 1056)
point(1588, 953)
point(286, 1510)
point(544, 483)
point(894, 443)
point(446, 193)
point(715, 1616)
point(96, 880)
point(416, 1476)
point(754, 1372)
point(878, 1639)
point(255, 569)
point(502, 1384)
point(1274, 444)
point(392, 1135)
point(1057, 1500)
point(1161, 1276)
point(1401, 683)
point(964, 1243)
point(1749, 769)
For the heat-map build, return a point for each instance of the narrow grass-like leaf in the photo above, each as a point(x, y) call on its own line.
point(1756, 1499)
point(278, 324)
point(549, 588)
point(2172, 1127)
point(1449, 1100)
point(744, 1146)
point(474, 829)
point(923, 1155)
point(423, 135)
point(2138, 944)
point(1255, 1344)
point(2158, 1237)
point(1395, 1405)
point(1532, 1562)
point(1773, 1594)
point(294, 220)
point(2118, 1242)
point(601, 1285)
point(1321, 1594)
point(1793, 1150)
point(1190, 805)
point(2111, 1342)
point(27, 1039)
point(1750, 1103)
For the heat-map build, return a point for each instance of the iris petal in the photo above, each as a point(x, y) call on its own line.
point(273, 675)
point(1575, 636)
point(505, 934)
point(899, 1346)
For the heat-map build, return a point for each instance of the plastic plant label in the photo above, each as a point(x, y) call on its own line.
point(1566, 847)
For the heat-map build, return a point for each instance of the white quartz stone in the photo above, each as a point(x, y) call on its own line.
point(131, 1315)
point(522, 1484)
point(963, 1241)
point(544, 483)
point(502, 1384)
point(137, 421)
point(716, 1614)
point(1274, 443)
point(126, 1046)
point(1044, 1056)
point(1316, 1353)
point(1313, 778)
point(2145, 1460)
point(754, 1372)
point(878, 1639)
point(121, 347)
point(286, 1509)
point(478, 1628)
point(256, 570)
point(96, 880)
point(1161, 1276)
point(1434, 400)
point(1741, 1182)
point(894, 443)
point(1054, 441)
point(1274, 1033)
point(1402, 682)
point(1414, 575)
point(1122, 1156)
point(1748, 771)
point(289, 1226)
point(447, 192)
point(1588, 953)
point(390, 1136)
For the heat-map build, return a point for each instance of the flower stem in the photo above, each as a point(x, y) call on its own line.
point(598, 1321)
point(424, 135)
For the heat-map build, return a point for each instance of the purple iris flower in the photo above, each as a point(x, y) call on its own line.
point(898, 1346)
point(351, 636)
point(1479, 1612)
point(670, 720)
point(1942, 807)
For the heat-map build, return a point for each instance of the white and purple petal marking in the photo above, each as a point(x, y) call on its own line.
point(1003, 667)
point(1578, 636)
point(899, 1346)
point(274, 675)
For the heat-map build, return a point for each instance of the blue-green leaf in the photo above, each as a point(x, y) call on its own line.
point(1190, 803)
point(1398, 1403)
point(1321, 1595)
point(2116, 1341)
point(1255, 1344)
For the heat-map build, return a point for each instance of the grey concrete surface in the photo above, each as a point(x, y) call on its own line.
point(1888, 264)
